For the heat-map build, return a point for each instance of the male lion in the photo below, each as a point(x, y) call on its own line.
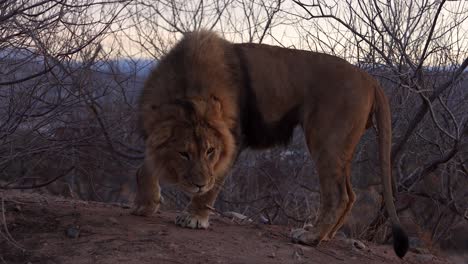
point(208, 99)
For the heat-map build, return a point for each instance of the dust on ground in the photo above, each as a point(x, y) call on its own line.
point(48, 229)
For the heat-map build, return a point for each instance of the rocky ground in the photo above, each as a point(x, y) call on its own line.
point(46, 229)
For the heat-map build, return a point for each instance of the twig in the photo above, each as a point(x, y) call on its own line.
point(6, 187)
point(246, 202)
point(242, 221)
point(28, 77)
point(434, 118)
point(429, 37)
point(418, 117)
point(214, 210)
point(8, 237)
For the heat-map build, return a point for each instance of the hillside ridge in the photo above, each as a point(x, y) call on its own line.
point(49, 229)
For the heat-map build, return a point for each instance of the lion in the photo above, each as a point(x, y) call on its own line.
point(209, 99)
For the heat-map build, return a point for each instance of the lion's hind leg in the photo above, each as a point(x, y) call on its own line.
point(331, 145)
point(333, 199)
point(349, 205)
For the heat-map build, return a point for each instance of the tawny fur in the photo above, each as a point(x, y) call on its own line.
point(208, 99)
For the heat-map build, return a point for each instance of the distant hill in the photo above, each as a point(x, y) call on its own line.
point(141, 66)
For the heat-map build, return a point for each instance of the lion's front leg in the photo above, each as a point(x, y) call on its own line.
point(148, 195)
point(198, 211)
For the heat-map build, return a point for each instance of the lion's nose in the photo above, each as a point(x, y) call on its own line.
point(199, 185)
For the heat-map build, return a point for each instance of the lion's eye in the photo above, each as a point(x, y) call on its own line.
point(184, 155)
point(210, 151)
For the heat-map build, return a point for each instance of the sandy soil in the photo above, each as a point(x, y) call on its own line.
point(56, 230)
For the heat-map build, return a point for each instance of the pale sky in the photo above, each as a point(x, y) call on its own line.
point(296, 32)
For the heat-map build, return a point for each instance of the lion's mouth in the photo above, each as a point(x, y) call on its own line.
point(195, 190)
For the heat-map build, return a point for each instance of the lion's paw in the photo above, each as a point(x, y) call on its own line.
point(303, 236)
point(145, 210)
point(188, 220)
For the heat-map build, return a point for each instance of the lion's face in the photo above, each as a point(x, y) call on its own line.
point(188, 150)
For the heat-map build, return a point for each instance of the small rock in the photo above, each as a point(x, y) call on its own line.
point(425, 258)
point(72, 232)
point(419, 250)
point(357, 244)
point(163, 233)
point(17, 208)
point(237, 216)
point(297, 256)
point(113, 220)
point(125, 206)
point(263, 220)
point(272, 255)
point(301, 249)
point(340, 235)
point(173, 246)
point(415, 242)
point(297, 233)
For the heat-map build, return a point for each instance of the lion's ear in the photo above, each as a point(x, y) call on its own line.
point(199, 105)
point(214, 109)
point(159, 135)
point(207, 108)
point(152, 115)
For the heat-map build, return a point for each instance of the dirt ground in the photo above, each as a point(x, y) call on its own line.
point(49, 229)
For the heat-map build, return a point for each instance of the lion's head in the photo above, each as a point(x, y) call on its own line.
point(189, 145)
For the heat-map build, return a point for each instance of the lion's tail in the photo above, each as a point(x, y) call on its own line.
point(384, 125)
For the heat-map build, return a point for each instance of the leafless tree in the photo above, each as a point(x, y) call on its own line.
point(53, 91)
point(160, 24)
